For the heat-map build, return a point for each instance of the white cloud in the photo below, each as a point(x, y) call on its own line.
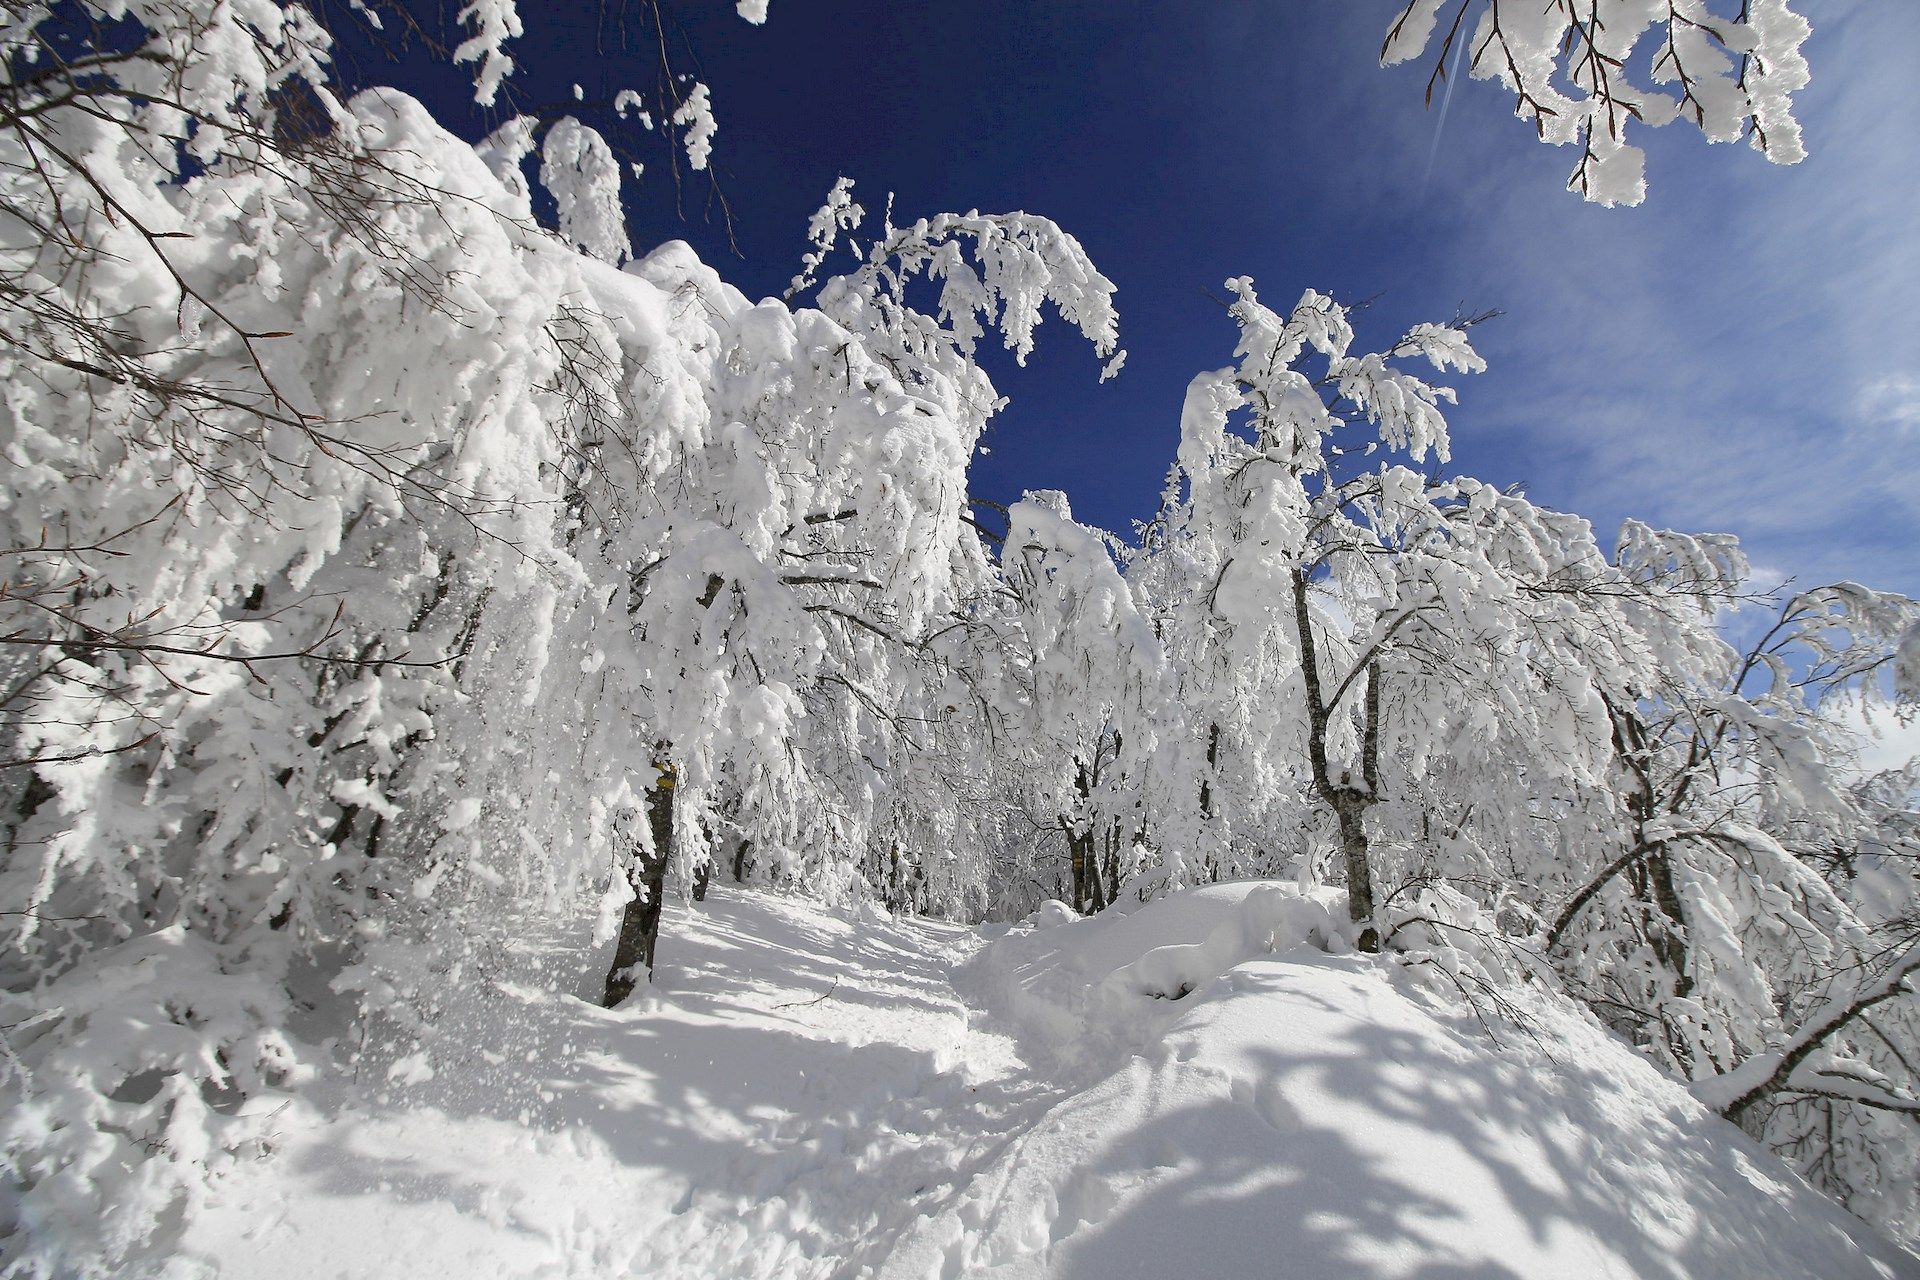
point(1886, 743)
point(1892, 401)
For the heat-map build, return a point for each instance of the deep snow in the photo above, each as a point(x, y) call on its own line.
point(819, 1094)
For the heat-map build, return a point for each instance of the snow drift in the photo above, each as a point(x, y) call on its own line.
point(837, 1094)
point(1309, 1114)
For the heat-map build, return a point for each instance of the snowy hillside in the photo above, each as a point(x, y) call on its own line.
point(818, 1094)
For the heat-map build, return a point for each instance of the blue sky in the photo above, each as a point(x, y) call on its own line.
point(1739, 354)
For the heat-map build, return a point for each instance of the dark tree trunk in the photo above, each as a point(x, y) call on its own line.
point(1082, 847)
point(1096, 891)
point(1206, 779)
point(1350, 807)
point(1079, 856)
point(1651, 878)
point(640, 923)
point(1348, 802)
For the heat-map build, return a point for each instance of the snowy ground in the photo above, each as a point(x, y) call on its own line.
point(815, 1095)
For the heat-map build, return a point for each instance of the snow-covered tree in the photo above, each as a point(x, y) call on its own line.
point(800, 537)
point(1094, 694)
point(380, 569)
point(1513, 728)
point(1310, 570)
point(1746, 897)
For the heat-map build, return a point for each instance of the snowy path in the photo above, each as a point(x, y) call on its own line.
point(813, 1096)
point(911, 1095)
point(802, 1090)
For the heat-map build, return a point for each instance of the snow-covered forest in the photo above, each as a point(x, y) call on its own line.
point(429, 617)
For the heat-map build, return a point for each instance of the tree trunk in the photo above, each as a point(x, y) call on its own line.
point(1096, 889)
point(1350, 807)
point(1206, 779)
point(1082, 845)
point(640, 923)
point(1080, 857)
point(1669, 934)
point(1348, 802)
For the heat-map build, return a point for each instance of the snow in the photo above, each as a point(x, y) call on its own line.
point(1301, 1114)
point(494, 23)
point(696, 116)
point(578, 168)
point(816, 1093)
point(793, 1077)
point(439, 582)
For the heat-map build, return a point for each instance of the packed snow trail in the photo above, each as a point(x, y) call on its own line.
point(1193, 1090)
point(797, 1090)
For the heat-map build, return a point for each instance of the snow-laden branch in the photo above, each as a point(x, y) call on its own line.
point(1766, 1074)
point(1570, 65)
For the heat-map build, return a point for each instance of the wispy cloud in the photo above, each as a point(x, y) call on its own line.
point(1892, 401)
point(1736, 355)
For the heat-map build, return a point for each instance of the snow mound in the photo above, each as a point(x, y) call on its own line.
point(1266, 919)
point(1308, 1114)
point(1050, 913)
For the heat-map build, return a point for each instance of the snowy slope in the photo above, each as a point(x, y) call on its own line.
point(813, 1094)
point(1299, 1115)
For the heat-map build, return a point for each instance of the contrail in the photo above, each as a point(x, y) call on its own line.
point(1446, 100)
